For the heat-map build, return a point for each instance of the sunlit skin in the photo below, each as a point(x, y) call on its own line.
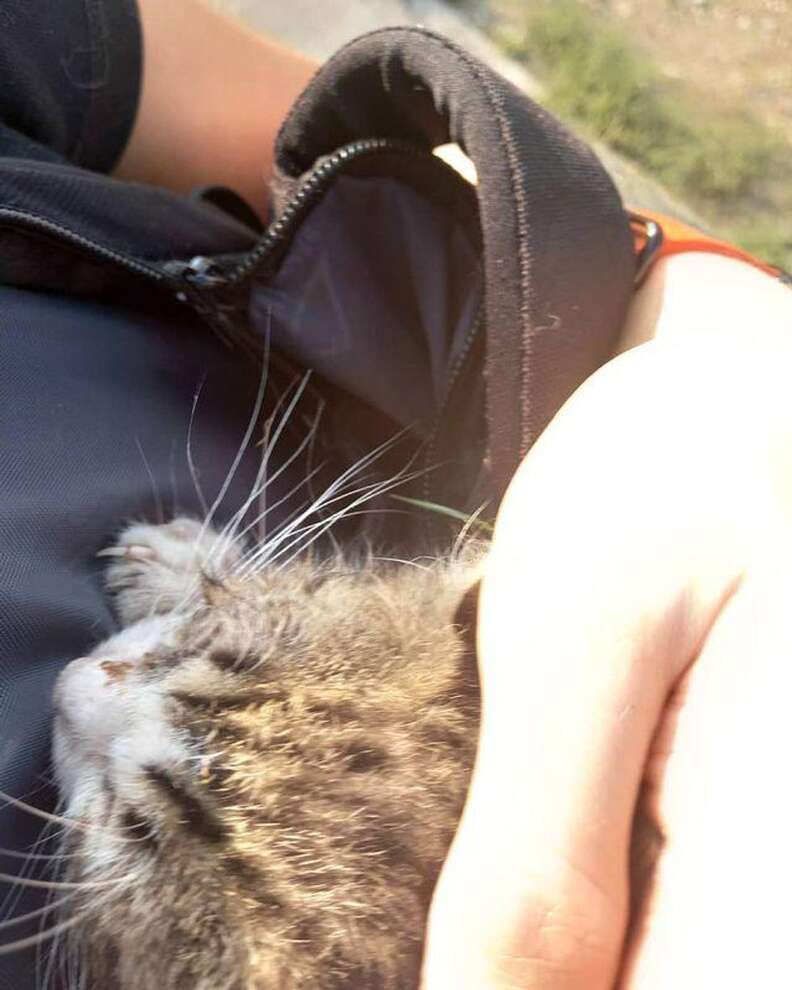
point(213, 96)
point(634, 629)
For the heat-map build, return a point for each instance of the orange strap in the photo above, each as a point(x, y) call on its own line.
point(677, 237)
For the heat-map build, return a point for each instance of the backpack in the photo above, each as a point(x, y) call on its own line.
point(462, 316)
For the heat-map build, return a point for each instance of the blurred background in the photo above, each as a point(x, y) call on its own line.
point(689, 102)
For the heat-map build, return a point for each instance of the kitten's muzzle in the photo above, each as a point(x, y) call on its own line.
point(89, 710)
point(89, 698)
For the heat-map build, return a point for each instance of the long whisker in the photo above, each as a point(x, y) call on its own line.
point(54, 955)
point(344, 512)
point(329, 495)
point(70, 823)
point(190, 461)
point(402, 560)
point(275, 505)
point(41, 857)
point(236, 518)
point(470, 522)
point(50, 906)
point(154, 492)
point(14, 881)
point(254, 416)
point(260, 485)
point(13, 895)
point(272, 441)
point(47, 934)
point(291, 530)
point(310, 457)
point(364, 493)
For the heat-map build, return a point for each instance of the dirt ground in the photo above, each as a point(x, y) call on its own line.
point(734, 51)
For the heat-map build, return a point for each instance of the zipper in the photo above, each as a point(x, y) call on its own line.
point(32, 221)
point(188, 281)
point(206, 273)
point(454, 377)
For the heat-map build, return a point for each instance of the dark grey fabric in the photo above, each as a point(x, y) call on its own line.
point(69, 79)
point(558, 256)
point(70, 74)
point(386, 325)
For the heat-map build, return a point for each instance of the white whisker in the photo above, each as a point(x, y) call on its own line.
point(13, 895)
point(470, 522)
point(37, 939)
point(264, 554)
point(401, 560)
point(260, 485)
point(368, 493)
point(9, 878)
point(41, 857)
point(254, 416)
point(47, 934)
point(70, 823)
point(328, 496)
point(272, 442)
point(190, 461)
point(285, 498)
point(30, 915)
point(154, 492)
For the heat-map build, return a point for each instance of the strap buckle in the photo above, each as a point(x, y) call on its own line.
point(651, 233)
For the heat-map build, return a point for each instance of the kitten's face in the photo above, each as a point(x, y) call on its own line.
point(267, 784)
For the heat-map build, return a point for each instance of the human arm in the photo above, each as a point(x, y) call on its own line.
point(647, 520)
point(213, 97)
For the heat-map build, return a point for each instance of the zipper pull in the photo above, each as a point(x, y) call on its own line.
point(203, 272)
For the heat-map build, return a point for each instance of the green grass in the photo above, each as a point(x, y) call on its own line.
point(717, 159)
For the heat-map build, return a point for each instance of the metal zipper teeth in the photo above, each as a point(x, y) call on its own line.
point(310, 190)
point(42, 225)
point(459, 366)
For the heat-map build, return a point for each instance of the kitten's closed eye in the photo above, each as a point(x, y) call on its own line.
point(287, 750)
point(192, 810)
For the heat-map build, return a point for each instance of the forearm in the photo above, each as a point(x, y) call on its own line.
point(213, 97)
point(690, 295)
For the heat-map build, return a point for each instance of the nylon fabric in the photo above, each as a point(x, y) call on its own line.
point(386, 325)
point(558, 257)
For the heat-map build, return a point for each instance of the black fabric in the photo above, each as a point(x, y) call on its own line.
point(384, 325)
point(70, 75)
point(558, 256)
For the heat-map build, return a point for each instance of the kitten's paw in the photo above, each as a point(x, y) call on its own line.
point(156, 569)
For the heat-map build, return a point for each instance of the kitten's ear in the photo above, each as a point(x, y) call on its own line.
point(466, 621)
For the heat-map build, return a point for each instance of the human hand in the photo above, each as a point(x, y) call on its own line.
point(638, 555)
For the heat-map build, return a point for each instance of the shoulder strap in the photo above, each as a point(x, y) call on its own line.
point(558, 254)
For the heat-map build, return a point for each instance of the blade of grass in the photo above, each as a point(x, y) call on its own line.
point(445, 510)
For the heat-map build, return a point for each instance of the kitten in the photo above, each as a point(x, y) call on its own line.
point(265, 769)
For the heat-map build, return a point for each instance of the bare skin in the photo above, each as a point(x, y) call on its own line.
point(214, 95)
point(635, 630)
